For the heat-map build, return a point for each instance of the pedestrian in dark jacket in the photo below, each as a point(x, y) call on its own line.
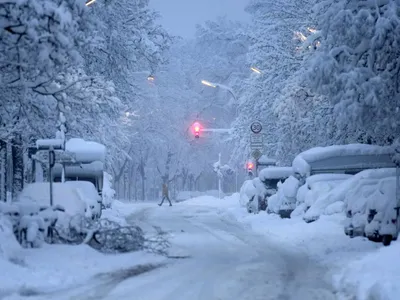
point(165, 195)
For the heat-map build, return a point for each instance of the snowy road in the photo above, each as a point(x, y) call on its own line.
point(225, 261)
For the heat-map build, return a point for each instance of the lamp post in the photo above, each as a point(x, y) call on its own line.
point(224, 87)
point(90, 2)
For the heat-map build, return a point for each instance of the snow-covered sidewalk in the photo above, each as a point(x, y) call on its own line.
point(357, 266)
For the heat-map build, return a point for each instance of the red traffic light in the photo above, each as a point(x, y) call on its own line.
point(196, 129)
point(250, 166)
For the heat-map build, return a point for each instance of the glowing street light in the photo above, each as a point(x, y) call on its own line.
point(150, 78)
point(90, 2)
point(205, 82)
point(255, 70)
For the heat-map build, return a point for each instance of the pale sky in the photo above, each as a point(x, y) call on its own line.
point(179, 17)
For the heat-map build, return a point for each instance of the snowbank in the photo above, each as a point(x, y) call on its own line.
point(56, 267)
point(343, 156)
point(375, 276)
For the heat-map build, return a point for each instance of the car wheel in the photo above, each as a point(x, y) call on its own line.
point(387, 239)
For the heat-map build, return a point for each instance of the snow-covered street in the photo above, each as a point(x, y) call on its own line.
point(213, 256)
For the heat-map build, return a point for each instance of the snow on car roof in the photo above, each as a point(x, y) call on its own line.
point(275, 173)
point(343, 157)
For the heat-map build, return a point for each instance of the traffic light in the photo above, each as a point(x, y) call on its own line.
point(250, 167)
point(196, 129)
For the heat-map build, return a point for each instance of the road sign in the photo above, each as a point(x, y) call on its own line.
point(256, 154)
point(256, 142)
point(256, 127)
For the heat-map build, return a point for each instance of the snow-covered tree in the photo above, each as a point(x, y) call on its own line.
point(274, 34)
point(357, 67)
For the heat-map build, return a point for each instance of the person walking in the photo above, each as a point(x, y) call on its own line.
point(165, 195)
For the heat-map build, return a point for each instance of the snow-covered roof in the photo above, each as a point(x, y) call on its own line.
point(275, 173)
point(86, 151)
point(265, 160)
point(343, 157)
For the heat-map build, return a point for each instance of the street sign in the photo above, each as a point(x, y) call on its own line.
point(256, 142)
point(256, 127)
point(256, 154)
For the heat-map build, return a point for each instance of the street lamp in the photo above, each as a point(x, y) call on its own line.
point(255, 70)
point(224, 87)
point(207, 83)
point(90, 2)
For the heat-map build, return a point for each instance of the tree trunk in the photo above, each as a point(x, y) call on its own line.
point(18, 165)
point(3, 169)
point(143, 177)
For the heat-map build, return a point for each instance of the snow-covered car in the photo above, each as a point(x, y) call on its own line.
point(63, 195)
point(286, 197)
point(381, 212)
point(268, 179)
point(88, 192)
point(315, 188)
point(356, 201)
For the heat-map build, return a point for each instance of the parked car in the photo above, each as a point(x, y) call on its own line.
point(357, 199)
point(89, 194)
point(381, 213)
point(266, 185)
